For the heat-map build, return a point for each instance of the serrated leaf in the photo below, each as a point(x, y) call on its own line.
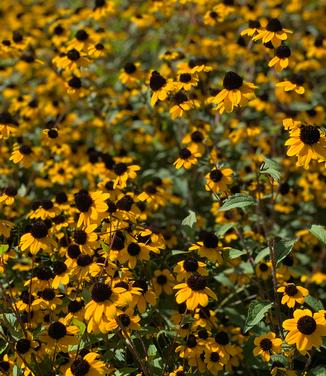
point(237, 201)
point(282, 249)
point(319, 232)
point(313, 303)
point(190, 220)
point(256, 312)
point(3, 248)
point(271, 168)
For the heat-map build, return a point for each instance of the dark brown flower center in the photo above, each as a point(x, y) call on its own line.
point(291, 290)
point(266, 344)
point(80, 367)
point(232, 81)
point(306, 325)
point(101, 292)
point(197, 282)
point(309, 134)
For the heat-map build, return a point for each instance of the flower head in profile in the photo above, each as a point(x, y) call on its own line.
point(273, 33)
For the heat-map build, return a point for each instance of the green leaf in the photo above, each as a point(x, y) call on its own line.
point(237, 201)
point(282, 249)
point(318, 371)
point(256, 312)
point(3, 248)
point(80, 325)
point(190, 220)
point(175, 252)
point(152, 350)
point(313, 303)
point(261, 255)
point(223, 229)
point(319, 232)
point(271, 168)
point(234, 253)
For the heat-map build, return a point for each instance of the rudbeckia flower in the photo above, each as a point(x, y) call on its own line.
point(218, 180)
point(266, 345)
point(87, 365)
point(147, 295)
point(209, 247)
point(305, 330)
point(273, 33)
point(103, 306)
point(37, 238)
point(22, 154)
point(86, 239)
point(8, 195)
point(214, 361)
point(281, 59)
point(60, 335)
point(252, 29)
point(236, 93)
point(187, 158)
point(90, 205)
point(181, 104)
point(294, 83)
point(292, 294)
point(8, 125)
point(194, 292)
point(160, 87)
point(124, 321)
point(124, 172)
point(163, 281)
point(186, 268)
point(308, 143)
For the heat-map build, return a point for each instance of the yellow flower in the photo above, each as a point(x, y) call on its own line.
point(281, 59)
point(266, 345)
point(273, 33)
point(147, 296)
point(307, 142)
point(195, 292)
point(294, 83)
point(37, 238)
point(8, 125)
point(160, 87)
point(163, 281)
point(235, 93)
point(186, 268)
point(218, 179)
point(187, 158)
point(87, 365)
point(214, 360)
point(90, 205)
point(264, 270)
point(292, 294)
point(181, 104)
point(8, 195)
point(304, 330)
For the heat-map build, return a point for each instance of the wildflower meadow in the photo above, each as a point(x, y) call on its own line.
point(162, 187)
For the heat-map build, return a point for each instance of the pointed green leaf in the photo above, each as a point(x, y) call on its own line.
point(237, 201)
point(256, 312)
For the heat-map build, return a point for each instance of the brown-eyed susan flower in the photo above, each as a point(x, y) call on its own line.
point(292, 294)
point(281, 59)
point(182, 103)
point(252, 28)
point(96, 50)
point(134, 252)
point(273, 33)
point(218, 180)
point(88, 364)
point(37, 238)
point(125, 321)
point(160, 87)
point(26, 348)
point(71, 61)
point(86, 238)
point(47, 299)
point(264, 270)
point(163, 281)
point(194, 292)
point(8, 125)
point(103, 306)
point(214, 361)
point(305, 330)
point(266, 345)
point(124, 172)
point(235, 93)
point(61, 273)
point(294, 83)
point(209, 247)
point(147, 295)
point(102, 8)
point(90, 206)
point(177, 372)
point(186, 81)
point(308, 143)
point(8, 195)
point(22, 154)
point(187, 158)
point(60, 335)
point(130, 74)
point(187, 267)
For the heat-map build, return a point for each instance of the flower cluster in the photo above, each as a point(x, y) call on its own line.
point(162, 187)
